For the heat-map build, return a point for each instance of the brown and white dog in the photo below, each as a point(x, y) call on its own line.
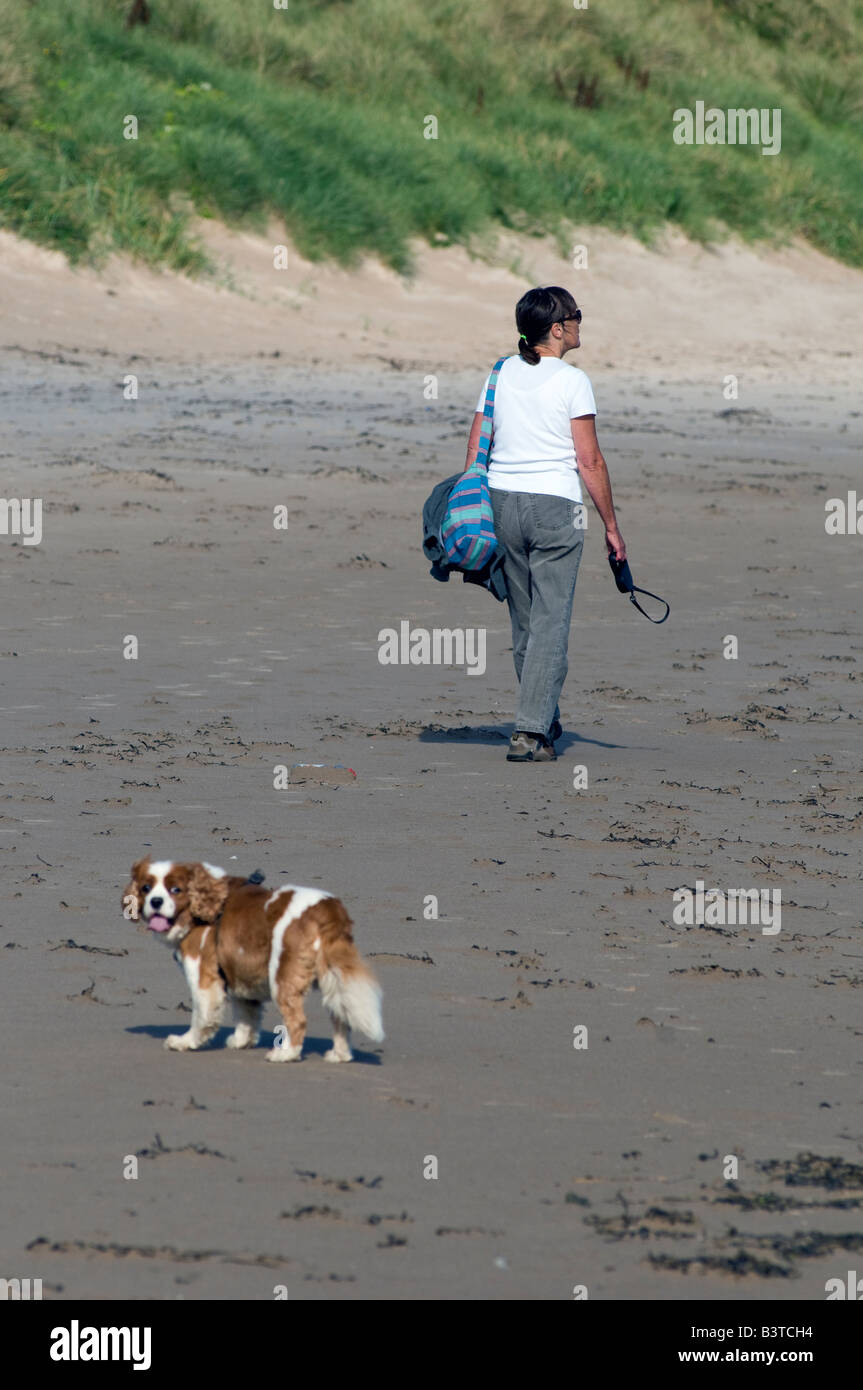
point(237, 939)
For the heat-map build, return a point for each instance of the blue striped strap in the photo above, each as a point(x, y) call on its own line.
point(487, 426)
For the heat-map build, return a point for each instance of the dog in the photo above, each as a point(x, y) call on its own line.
point(235, 939)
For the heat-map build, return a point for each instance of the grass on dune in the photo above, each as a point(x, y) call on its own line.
point(547, 117)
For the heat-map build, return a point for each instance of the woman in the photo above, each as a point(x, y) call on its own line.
point(544, 440)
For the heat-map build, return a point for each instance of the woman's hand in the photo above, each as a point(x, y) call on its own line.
point(615, 542)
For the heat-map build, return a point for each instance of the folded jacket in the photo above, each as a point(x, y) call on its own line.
point(492, 576)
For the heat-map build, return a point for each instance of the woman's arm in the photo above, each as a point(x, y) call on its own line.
point(593, 471)
point(473, 440)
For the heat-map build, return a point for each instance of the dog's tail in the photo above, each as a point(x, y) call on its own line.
point(348, 988)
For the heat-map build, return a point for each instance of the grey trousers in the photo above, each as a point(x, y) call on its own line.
point(542, 538)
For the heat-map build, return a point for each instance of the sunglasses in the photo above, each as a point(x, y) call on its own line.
point(570, 317)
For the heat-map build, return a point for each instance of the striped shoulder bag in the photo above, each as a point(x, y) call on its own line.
point(467, 532)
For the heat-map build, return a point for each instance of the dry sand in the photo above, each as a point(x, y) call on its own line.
point(556, 1167)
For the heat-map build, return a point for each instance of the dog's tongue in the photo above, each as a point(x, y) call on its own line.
point(158, 924)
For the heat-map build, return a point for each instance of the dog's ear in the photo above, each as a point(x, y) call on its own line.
point(207, 893)
point(132, 893)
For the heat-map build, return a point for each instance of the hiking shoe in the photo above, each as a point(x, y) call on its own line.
point(529, 748)
point(555, 732)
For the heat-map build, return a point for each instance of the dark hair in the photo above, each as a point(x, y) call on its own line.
point(535, 312)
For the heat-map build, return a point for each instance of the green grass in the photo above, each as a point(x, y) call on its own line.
point(547, 117)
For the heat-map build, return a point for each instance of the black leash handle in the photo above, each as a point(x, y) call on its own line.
point(626, 585)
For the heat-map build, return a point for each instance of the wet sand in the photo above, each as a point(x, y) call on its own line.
point(557, 1166)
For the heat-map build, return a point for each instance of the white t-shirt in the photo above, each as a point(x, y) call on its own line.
point(532, 448)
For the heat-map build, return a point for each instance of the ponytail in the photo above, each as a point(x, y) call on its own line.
point(526, 352)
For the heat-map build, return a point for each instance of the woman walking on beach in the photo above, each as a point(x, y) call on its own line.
point(544, 441)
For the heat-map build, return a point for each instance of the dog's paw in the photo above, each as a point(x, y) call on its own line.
point(241, 1040)
point(285, 1054)
point(179, 1042)
point(335, 1055)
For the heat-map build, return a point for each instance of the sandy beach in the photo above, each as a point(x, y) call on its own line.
point(557, 1165)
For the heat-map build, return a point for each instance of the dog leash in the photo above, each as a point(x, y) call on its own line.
point(624, 581)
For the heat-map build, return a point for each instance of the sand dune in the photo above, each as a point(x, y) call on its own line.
point(679, 311)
